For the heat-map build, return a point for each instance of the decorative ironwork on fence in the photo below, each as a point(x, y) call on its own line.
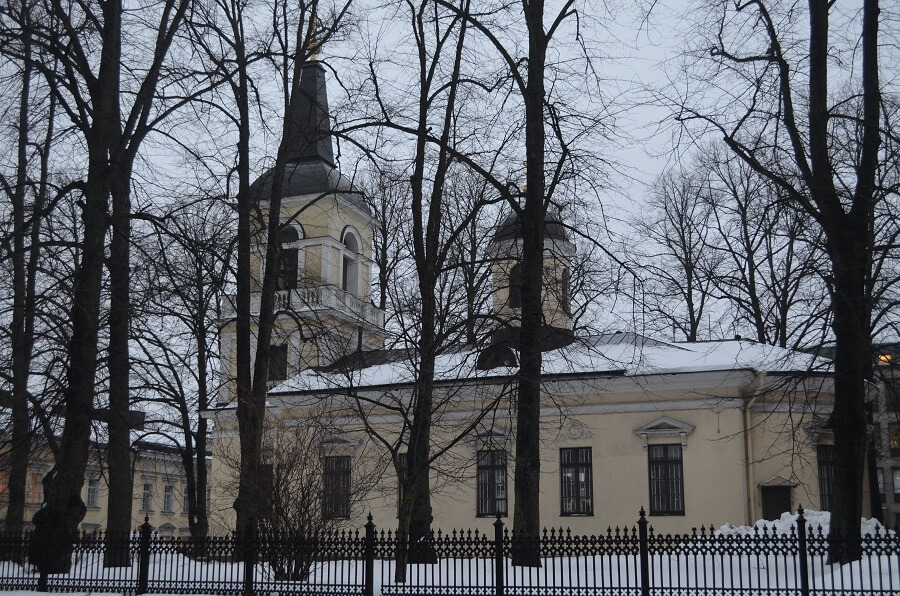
point(629, 561)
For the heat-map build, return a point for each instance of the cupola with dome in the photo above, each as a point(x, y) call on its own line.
point(506, 250)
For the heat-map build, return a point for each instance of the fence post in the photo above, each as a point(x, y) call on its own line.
point(369, 585)
point(499, 563)
point(801, 544)
point(643, 545)
point(249, 556)
point(144, 556)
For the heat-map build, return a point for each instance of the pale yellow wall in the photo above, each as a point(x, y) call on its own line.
point(717, 485)
point(554, 313)
point(155, 469)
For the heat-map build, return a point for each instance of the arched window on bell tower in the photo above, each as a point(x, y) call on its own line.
point(288, 263)
point(350, 264)
point(564, 290)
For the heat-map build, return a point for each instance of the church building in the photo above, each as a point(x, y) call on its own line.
point(695, 433)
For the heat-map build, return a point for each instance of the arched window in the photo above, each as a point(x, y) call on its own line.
point(564, 290)
point(350, 269)
point(288, 262)
point(515, 287)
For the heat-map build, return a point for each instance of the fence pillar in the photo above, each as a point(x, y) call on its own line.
point(249, 556)
point(801, 545)
point(144, 556)
point(369, 579)
point(643, 544)
point(499, 563)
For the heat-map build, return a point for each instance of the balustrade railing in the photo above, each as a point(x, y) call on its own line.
point(316, 299)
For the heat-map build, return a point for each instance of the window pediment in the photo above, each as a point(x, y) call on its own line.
point(496, 437)
point(778, 481)
point(664, 427)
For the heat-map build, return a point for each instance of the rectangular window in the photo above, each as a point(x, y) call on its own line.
point(93, 492)
point(337, 487)
point(894, 437)
point(876, 436)
point(35, 491)
point(402, 468)
point(880, 476)
point(576, 481)
point(825, 455)
point(185, 503)
point(147, 497)
point(895, 478)
point(491, 483)
point(278, 356)
point(666, 480)
point(168, 498)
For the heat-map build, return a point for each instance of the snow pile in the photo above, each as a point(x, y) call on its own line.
point(787, 524)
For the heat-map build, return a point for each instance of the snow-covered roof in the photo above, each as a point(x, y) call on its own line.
point(614, 354)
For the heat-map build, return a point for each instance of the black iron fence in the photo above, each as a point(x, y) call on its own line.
point(629, 561)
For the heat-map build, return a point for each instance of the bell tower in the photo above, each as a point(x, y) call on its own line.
point(323, 300)
point(506, 250)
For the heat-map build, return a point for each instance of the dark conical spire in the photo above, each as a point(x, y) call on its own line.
point(309, 127)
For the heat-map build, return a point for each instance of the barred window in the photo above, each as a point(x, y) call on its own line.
point(666, 480)
point(576, 477)
point(337, 487)
point(491, 483)
point(825, 455)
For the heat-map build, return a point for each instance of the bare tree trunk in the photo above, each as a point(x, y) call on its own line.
point(249, 429)
point(118, 457)
point(526, 521)
point(23, 306)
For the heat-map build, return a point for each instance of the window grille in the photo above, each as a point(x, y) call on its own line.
point(576, 477)
point(491, 483)
point(666, 480)
point(337, 487)
point(825, 455)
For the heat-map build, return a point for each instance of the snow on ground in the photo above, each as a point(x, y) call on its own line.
point(814, 521)
point(688, 566)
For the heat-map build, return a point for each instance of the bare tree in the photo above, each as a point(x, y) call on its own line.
point(87, 41)
point(186, 260)
point(675, 254)
point(786, 134)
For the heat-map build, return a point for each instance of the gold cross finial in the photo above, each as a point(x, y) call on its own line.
point(314, 45)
